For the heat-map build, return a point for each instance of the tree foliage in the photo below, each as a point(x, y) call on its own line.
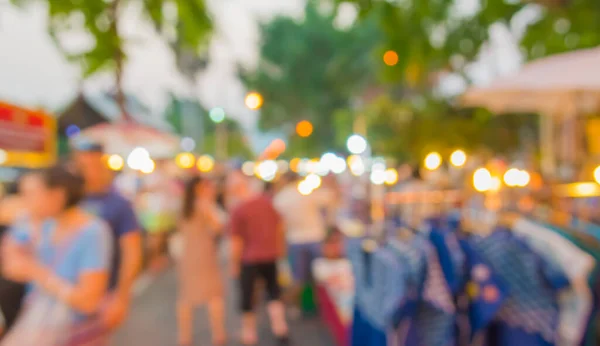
point(309, 68)
point(184, 24)
point(432, 36)
point(408, 131)
point(569, 25)
point(237, 142)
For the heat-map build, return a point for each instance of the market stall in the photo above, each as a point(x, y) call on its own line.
point(27, 137)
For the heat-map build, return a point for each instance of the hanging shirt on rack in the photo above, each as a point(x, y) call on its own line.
point(591, 246)
point(450, 255)
point(484, 294)
point(530, 313)
point(369, 327)
point(575, 301)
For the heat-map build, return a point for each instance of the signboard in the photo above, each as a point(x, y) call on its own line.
point(27, 137)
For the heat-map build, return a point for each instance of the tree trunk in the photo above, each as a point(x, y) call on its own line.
point(119, 57)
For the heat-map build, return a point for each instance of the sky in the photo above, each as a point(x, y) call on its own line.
point(33, 72)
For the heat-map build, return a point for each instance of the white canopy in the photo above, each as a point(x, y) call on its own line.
point(567, 82)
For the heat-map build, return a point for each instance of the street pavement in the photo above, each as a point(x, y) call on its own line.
point(152, 321)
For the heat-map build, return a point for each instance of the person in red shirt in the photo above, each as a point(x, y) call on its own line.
point(257, 243)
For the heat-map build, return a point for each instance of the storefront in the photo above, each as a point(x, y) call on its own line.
point(27, 138)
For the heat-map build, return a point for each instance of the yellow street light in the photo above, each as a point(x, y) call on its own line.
point(524, 178)
point(185, 160)
point(433, 161)
point(254, 101)
point(205, 163)
point(391, 176)
point(512, 177)
point(148, 166)
point(116, 162)
point(458, 158)
point(597, 174)
point(482, 180)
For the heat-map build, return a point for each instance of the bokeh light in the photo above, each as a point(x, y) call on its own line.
point(115, 162)
point(148, 166)
point(433, 161)
point(511, 177)
point(390, 58)
point(356, 144)
point(254, 101)
point(482, 180)
point(304, 128)
point(185, 160)
point(458, 158)
point(378, 177)
point(313, 180)
point(217, 115)
point(137, 158)
point(338, 166)
point(596, 173)
point(304, 188)
point(205, 163)
point(524, 178)
point(267, 170)
point(295, 165)
point(391, 176)
point(3, 156)
point(188, 144)
point(248, 168)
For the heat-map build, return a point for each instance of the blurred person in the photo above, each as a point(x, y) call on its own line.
point(158, 214)
point(412, 215)
point(200, 280)
point(257, 244)
point(102, 200)
point(68, 268)
point(306, 221)
point(11, 292)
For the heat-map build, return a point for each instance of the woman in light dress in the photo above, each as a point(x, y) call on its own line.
point(200, 279)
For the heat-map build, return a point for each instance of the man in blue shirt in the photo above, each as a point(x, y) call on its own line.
point(104, 201)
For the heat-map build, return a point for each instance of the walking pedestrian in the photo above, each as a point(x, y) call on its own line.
point(103, 200)
point(257, 244)
point(12, 292)
point(306, 221)
point(200, 280)
point(68, 269)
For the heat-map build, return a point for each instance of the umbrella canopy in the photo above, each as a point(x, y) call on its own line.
point(565, 82)
point(122, 138)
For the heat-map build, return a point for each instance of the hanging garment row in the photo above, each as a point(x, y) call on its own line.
point(519, 282)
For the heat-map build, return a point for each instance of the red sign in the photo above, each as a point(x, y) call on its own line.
point(27, 136)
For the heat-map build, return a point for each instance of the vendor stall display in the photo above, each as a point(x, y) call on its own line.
point(27, 137)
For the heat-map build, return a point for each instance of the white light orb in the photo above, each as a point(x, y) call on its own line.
point(378, 177)
point(338, 166)
point(313, 180)
point(356, 144)
point(512, 177)
point(304, 188)
point(137, 158)
point(482, 180)
point(267, 170)
point(188, 144)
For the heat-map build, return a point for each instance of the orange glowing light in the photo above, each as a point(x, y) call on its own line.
point(295, 164)
point(254, 100)
point(390, 58)
point(304, 128)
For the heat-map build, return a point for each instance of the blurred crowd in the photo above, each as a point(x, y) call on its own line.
point(76, 236)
